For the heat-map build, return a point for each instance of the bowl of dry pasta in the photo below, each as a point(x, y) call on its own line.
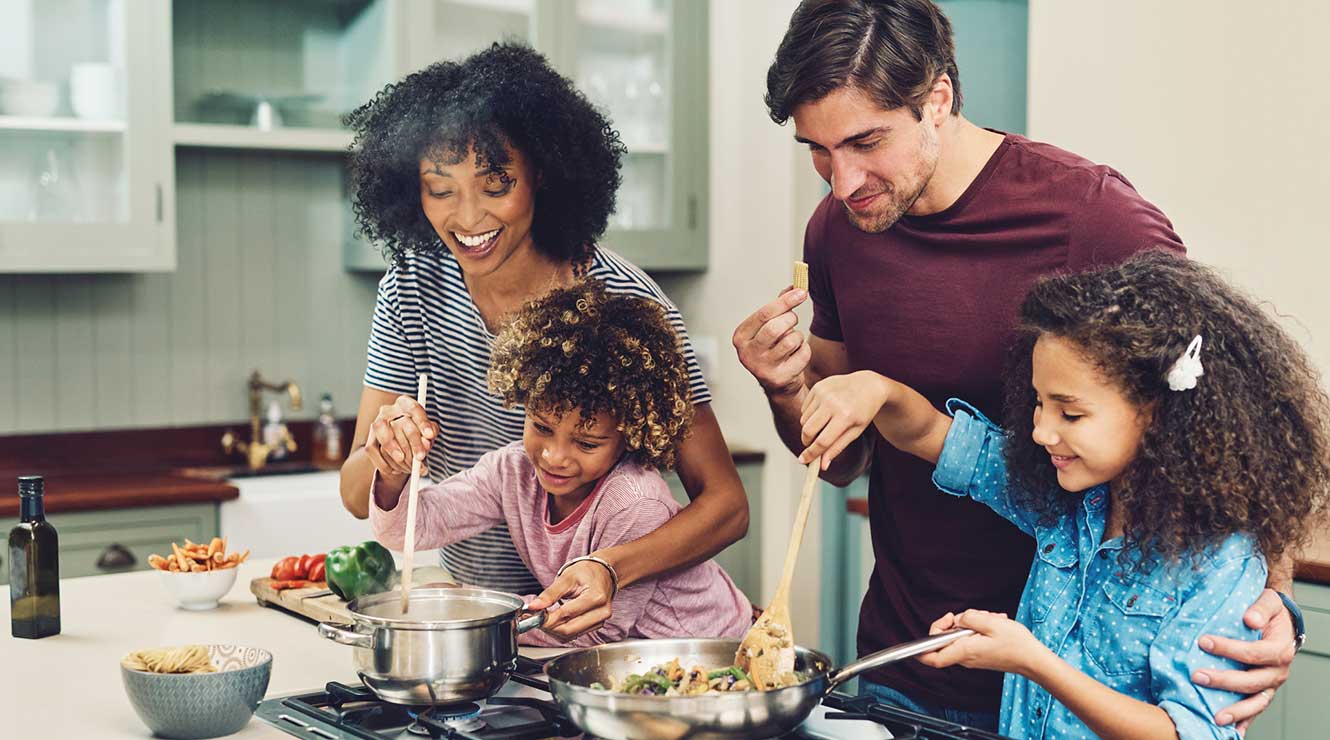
point(196, 691)
point(198, 575)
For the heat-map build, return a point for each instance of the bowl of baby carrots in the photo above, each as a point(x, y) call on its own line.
point(198, 575)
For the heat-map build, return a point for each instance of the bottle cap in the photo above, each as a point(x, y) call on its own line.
point(30, 485)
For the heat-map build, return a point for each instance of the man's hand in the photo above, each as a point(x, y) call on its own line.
point(1001, 644)
point(772, 348)
point(1269, 659)
point(584, 590)
point(837, 410)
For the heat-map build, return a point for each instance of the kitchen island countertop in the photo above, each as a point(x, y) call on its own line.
point(69, 685)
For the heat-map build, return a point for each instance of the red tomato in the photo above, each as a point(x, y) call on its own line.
point(318, 572)
point(285, 569)
point(318, 558)
point(302, 566)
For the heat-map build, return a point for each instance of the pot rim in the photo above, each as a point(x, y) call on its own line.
point(512, 603)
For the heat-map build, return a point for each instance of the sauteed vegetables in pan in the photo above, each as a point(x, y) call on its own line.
point(670, 679)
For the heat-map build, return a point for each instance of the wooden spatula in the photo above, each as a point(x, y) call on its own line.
point(409, 548)
point(767, 651)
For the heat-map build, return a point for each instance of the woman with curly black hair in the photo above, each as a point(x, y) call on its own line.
point(604, 388)
point(488, 182)
point(1165, 441)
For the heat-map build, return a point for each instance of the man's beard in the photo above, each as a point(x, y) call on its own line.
point(895, 207)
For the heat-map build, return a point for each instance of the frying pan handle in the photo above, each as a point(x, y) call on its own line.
point(838, 676)
point(535, 620)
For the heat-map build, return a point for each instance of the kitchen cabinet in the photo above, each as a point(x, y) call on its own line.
point(644, 62)
point(1297, 713)
point(88, 181)
point(86, 537)
point(742, 560)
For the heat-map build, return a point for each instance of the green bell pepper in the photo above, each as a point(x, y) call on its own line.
point(357, 570)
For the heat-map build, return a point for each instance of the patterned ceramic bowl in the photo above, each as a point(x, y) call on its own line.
point(191, 706)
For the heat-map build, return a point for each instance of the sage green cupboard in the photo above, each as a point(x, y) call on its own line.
point(1299, 709)
point(86, 183)
point(97, 542)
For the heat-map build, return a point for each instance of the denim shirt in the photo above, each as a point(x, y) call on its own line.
point(1133, 632)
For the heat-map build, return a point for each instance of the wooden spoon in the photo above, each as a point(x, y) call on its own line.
point(767, 651)
point(409, 548)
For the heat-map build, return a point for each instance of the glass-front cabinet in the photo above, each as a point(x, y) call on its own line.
point(85, 183)
point(104, 104)
point(644, 62)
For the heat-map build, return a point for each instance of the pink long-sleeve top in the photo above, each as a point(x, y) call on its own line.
point(628, 503)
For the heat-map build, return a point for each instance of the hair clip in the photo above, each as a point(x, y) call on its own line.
point(1187, 368)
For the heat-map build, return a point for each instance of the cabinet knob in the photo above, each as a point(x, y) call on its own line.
point(116, 556)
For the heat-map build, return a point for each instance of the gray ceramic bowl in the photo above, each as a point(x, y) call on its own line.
point(192, 706)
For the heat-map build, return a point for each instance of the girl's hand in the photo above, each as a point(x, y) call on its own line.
point(400, 431)
point(837, 410)
point(584, 590)
point(1000, 645)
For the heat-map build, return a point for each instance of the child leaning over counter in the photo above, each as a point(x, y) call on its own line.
point(1165, 439)
point(605, 390)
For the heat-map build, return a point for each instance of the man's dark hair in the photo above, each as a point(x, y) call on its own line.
point(893, 50)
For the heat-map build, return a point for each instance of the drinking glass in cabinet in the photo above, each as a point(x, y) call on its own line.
point(63, 111)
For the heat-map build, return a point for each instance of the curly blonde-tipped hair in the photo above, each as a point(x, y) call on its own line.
point(587, 349)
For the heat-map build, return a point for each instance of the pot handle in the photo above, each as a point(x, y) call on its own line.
point(838, 676)
point(532, 622)
point(342, 635)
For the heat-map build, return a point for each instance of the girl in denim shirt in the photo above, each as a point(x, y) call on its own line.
point(1177, 444)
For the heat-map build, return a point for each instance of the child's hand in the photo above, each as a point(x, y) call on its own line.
point(837, 410)
point(388, 489)
point(1000, 645)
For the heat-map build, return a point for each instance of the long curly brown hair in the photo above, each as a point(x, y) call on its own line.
point(585, 348)
point(1245, 451)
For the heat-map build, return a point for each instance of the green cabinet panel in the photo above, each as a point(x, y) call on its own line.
point(85, 535)
point(1297, 712)
point(742, 560)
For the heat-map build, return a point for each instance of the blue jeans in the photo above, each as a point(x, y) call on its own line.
point(979, 720)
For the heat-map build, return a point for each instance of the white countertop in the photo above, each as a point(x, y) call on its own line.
point(69, 685)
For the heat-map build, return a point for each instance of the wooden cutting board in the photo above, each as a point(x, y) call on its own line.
point(318, 604)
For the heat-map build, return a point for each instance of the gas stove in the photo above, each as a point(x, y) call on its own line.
point(524, 710)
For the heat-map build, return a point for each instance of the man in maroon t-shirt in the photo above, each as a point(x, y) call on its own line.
point(918, 261)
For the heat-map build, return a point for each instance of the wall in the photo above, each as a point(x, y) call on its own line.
point(762, 191)
point(259, 285)
point(1216, 112)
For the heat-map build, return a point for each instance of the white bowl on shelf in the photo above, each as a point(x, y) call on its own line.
point(198, 591)
point(28, 97)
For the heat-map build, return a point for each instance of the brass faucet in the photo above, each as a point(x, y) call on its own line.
point(255, 451)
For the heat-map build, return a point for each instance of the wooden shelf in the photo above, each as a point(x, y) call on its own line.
point(61, 124)
point(220, 136)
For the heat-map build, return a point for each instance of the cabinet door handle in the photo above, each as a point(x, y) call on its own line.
point(115, 557)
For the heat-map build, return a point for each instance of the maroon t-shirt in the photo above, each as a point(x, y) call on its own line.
point(931, 302)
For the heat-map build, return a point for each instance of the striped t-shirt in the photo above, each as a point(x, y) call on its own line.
point(426, 322)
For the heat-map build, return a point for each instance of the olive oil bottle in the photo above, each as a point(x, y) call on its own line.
point(34, 565)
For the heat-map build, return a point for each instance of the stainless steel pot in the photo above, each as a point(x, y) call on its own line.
point(748, 714)
point(453, 645)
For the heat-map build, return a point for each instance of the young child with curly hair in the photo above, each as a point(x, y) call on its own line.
point(1165, 440)
point(606, 395)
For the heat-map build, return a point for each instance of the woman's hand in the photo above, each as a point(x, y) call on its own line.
point(837, 410)
point(577, 602)
point(1000, 644)
point(399, 432)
